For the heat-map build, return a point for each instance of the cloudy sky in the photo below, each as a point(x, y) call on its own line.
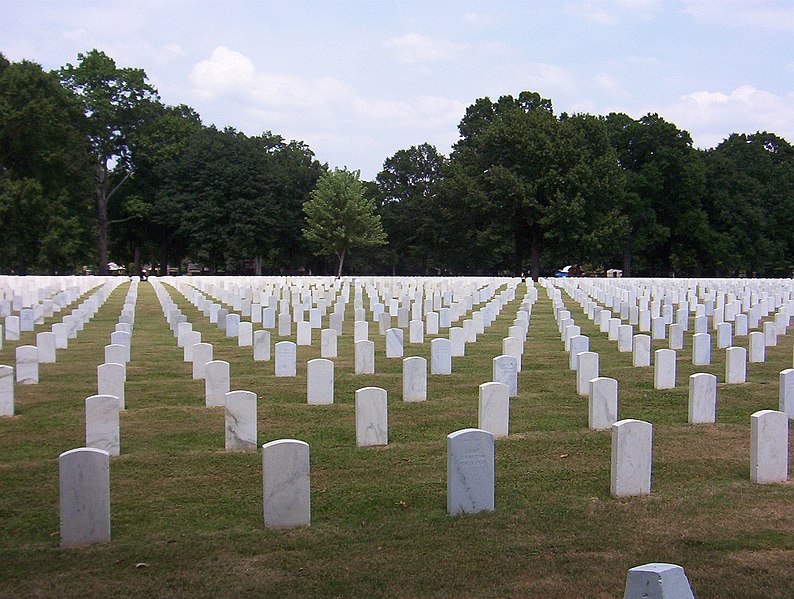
point(359, 80)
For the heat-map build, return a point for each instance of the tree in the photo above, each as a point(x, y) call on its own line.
point(540, 185)
point(408, 189)
point(339, 217)
point(44, 160)
point(665, 180)
point(116, 101)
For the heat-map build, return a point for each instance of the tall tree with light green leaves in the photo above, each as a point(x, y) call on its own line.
point(339, 217)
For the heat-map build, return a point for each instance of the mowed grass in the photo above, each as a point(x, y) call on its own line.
point(187, 516)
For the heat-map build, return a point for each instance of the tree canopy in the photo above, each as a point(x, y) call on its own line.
point(339, 217)
point(91, 151)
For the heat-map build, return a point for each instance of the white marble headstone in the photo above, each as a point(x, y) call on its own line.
point(470, 471)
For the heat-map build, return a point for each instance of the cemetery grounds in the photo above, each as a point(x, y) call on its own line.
point(187, 516)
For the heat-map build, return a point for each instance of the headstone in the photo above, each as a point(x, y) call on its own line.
point(657, 581)
point(286, 489)
point(770, 334)
point(676, 336)
point(631, 458)
point(116, 353)
point(658, 328)
point(625, 338)
point(701, 349)
point(602, 403)
point(457, 342)
point(84, 485)
point(724, 335)
point(27, 320)
point(470, 471)
point(328, 338)
point(769, 447)
point(320, 381)
point(216, 383)
point(641, 351)
point(440, 357)
point(664, 369)
point(102, 423)
point(261, 345)
point(360, 331)
point(202, 353)
point(702, 398)
point(371, 417)
point(494, 409)
point(27, 365)
point(286, 357)
point(240, 420)
point(735, 365)
point(786, 391)
point(394, 343)
point(6, 390)
point(416, 331)
point(414, 379)
point(269, 318)
point(364, 357)
point(757, 347)
point(245, 334)
point(505, 371)
point(304, 333)
point(122, 338)
point(431, 323)
point(578, 345)
point(587, 371)
point(45, 343)
point(110, 380)
point(284, 324)
point(181, 330)
point(61, 337)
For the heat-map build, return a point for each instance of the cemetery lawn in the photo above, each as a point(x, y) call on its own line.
point(187, 516)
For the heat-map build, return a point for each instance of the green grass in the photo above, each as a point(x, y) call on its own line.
point(187, 517)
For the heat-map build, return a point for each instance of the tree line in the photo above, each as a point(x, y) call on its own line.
point(94, 166)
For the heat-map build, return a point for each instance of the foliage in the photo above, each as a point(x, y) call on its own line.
point(44, 166)
point(116, 101)
point(339, 217)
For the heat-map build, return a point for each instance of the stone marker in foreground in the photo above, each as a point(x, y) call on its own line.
point(505, 370)
point(631, 458)
point(202, 354)
point(286, 489)
point(769, 447)
point(736, 365)
point(440, 356)
point(240, 421)
point(364, 356)
point(261, 343)
point(470, 471)
point(587, 370)
point(657, 581)
point(371, 417)
point(84, 484)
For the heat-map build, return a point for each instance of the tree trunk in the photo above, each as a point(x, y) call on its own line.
point(258, 266)
point(137, 260)
point(627, 257)
point(535, 262)
point(102, 214)
point(341, 256)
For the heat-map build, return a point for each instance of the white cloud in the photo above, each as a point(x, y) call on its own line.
point(712, 116)
point(603, 12)
point(413, 48)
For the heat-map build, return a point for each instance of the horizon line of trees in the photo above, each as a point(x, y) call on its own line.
point(93, 165)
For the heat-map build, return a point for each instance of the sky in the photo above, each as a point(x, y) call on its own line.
point(359, 80)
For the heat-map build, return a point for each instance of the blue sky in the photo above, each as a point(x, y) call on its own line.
point(359, 80)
